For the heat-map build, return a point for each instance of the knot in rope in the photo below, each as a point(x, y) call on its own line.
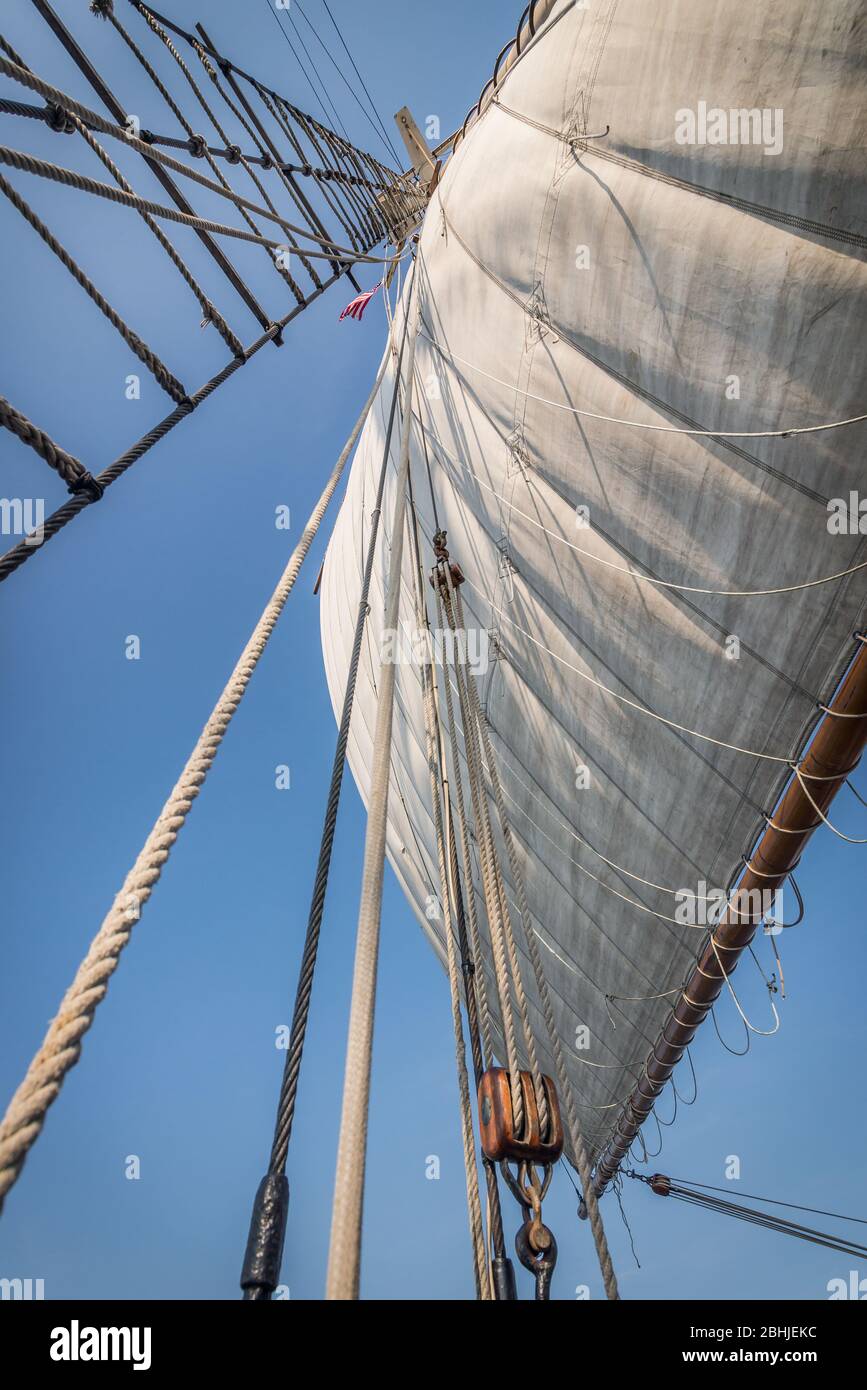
point(197, 147)
point(88, 484)
point(58, 120)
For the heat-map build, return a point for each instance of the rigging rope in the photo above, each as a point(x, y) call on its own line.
point(62, 1044)
point(774, 1201)
point(453, 357)
point(620, 1064)
point(197, 144)
point(212, 315)
point(389, 144)
point(633, 704)
point(626, 569)
point(434, 758)
point(12, 559)
point(850, 839)
point(344, 1256)
point(493, 898)
point(277, 111)
point(144, 147)
point(27, 163)
point(761, 1032)
point(328, 101)
point(475, 936)
point(16, 556)
point(563, 1081)
point(287, 183)
point(70, 469)
point(158, 370)
point(475, 988)
point(664, 1186)
point(261, 1271)
point(59, 100)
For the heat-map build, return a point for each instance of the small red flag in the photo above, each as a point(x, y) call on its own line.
point(356, 308)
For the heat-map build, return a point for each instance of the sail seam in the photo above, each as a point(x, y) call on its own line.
point(633, 386)
point(788, 219)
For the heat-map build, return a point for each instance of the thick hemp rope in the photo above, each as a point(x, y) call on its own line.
point(493, 902)
point(68, 105)
point(158, 370)
point(61, 1047)
point(260, 1273)
point(160, 32)
point(467, 865)
point(57, 173)
point(70, 469)
point(480, 1262)
point(490, 862)
point(591, 1201)
point(210, 312)
point(344, 1255)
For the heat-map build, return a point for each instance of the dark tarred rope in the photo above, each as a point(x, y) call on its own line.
point(267, 1225)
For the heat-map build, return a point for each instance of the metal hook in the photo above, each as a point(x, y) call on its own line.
point(536, 1248)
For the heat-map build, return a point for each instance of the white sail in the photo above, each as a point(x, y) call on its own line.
point(699, 267)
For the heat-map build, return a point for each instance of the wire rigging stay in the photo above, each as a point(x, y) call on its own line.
point(261, 1269)
point(273, 143)
point(737, 1208)
point(598, 658)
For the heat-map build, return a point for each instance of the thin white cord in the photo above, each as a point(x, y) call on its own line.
point(647, 882)
point(850, 839)
point(642, 998)
point(663, 917)
point(762, 1033)
point(625, 569)
point(638, 424)
point(633, 704)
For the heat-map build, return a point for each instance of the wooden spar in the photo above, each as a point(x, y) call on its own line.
point(420, 156)
point(832, 754)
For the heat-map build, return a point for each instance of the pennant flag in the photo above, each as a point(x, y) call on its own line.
point(356, 308)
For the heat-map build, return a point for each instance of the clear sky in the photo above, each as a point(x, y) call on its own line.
point(180, 1068)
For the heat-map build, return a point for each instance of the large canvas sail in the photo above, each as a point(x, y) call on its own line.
point(699, 267)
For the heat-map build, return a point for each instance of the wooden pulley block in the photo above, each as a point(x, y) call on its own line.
point(499, 1139)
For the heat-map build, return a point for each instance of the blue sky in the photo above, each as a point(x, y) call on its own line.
point(181, 1067)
